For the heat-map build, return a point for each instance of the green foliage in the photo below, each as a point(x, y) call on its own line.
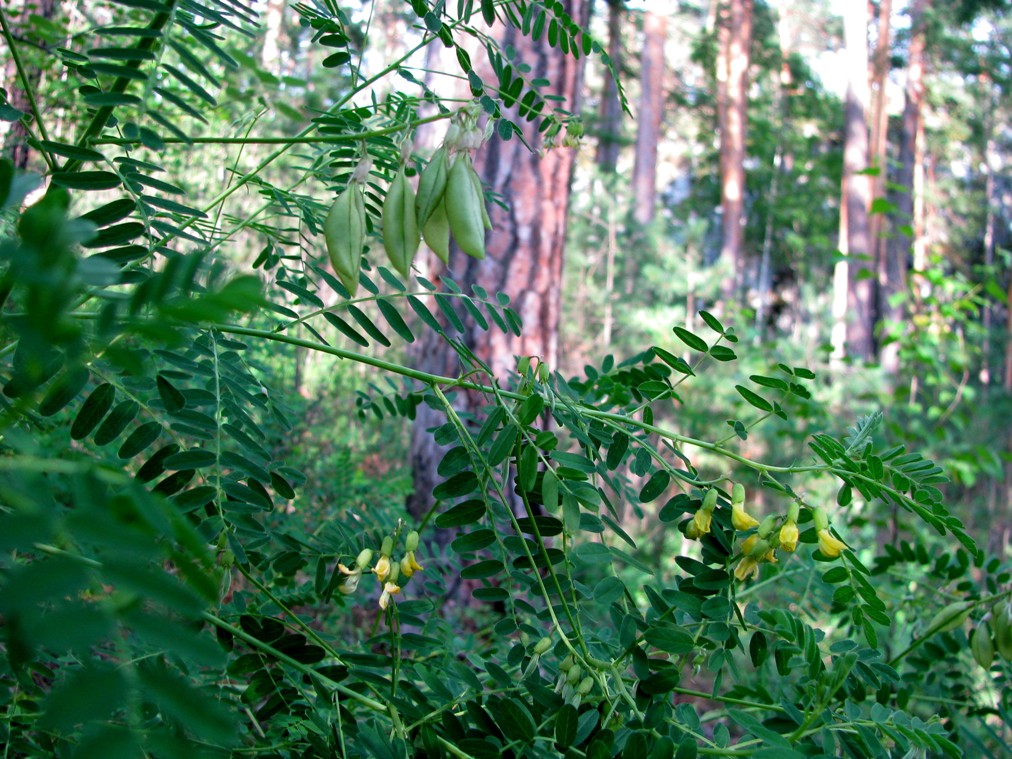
point(157, 596)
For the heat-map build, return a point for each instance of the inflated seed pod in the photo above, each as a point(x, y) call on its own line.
point(981, 646)
point(1002, 625)
point(431, 186)
point(436, 232)
point(950, 617)
point(344, 232)
point(463, 208)
point(542, 645)
point(485, 218)
point(400, 224)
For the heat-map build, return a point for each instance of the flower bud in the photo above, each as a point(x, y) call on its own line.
point(737, 494)
point(364, 558)
point(759, 549)
point(767, 525)
point(710, 500)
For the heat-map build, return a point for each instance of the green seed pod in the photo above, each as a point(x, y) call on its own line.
point(981, 646)
point(567, 664)
point(950, 617)
point(436, 233)
point(431, 186)
point(344, 232)
point(400, 224)
point(542, 646)
point(364, 558)
point(387, 547)
point(463, 208)
point(486, 220)
point(820, 518)
point(574, 674)
point(585, 686)
point(1002, 623)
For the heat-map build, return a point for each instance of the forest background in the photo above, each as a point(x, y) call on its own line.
point(829, 181)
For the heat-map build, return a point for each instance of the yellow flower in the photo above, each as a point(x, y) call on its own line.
point(749, 544)
point(701, 520)
point(830, 546)
point(747, 567)
point(741, 519)
point(789, 536)
point(409, 565)
point(382, 568)
point(352, 577)
point(389, 589)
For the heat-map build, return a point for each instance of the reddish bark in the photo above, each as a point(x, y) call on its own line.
point(648, 121)
point(524, 252)
point(898, 249)
point(734, 38)
point(609, 139)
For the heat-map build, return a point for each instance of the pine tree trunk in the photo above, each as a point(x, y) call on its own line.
point(15, 143)
point(609, 138)
point(648, 118)
point(855, 239)
point(879, 140)
point(899, 245)
point(735, 38)
point(524, 252)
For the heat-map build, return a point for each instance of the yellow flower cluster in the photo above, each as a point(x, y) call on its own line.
point(762, 545)
point(386, 570)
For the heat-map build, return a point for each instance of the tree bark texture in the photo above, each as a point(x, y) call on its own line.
point(16, 145)
point(855, 238)
point(649, 117)
point(609, 140)
point(734, 34)
point(898, 249)
point(879, 133)
point(524, 250)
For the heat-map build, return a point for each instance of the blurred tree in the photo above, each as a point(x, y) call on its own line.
point(898, 248)
point(648, 117)
point(734, 34)
point(853, 298)
point(609, 139)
